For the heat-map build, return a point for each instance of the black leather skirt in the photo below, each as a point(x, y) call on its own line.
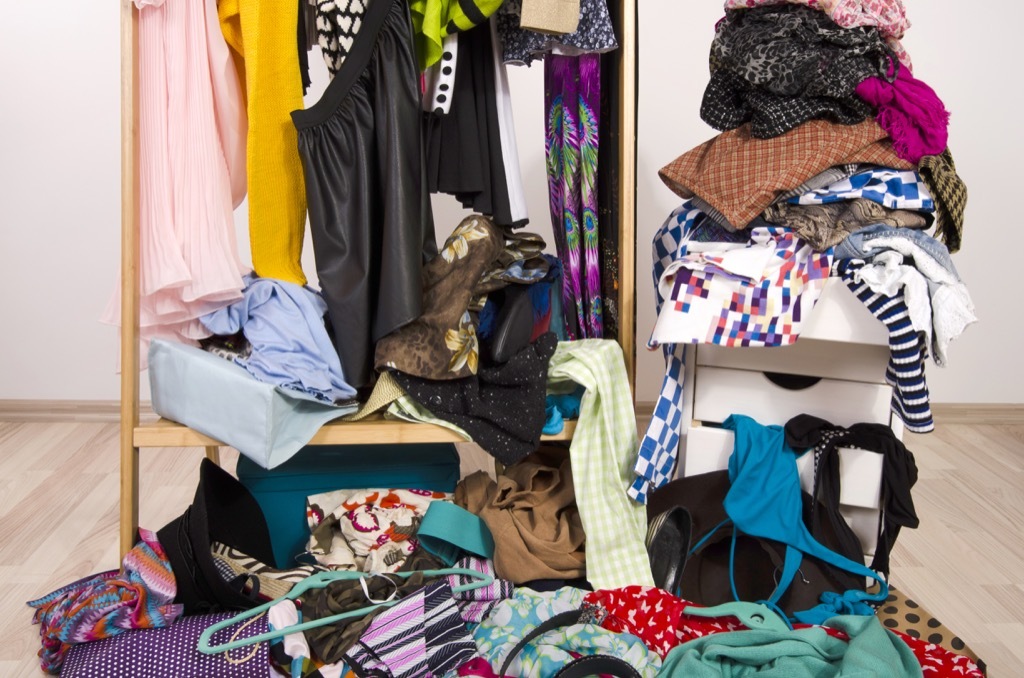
point(369, 210)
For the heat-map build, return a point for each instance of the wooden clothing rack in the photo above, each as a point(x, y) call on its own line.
point(163, 433)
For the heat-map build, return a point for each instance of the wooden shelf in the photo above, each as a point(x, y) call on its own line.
point(165, 433)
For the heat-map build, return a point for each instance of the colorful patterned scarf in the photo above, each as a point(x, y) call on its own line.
point(138, 596)
point(572, 101)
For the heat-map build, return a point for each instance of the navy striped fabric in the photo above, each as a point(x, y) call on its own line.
point(907, 351)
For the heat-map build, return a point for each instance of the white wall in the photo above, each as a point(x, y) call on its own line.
point(60, 203)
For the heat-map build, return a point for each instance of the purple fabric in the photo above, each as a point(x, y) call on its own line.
point(572, 101)
point(420, 637)
point(172, 651)
point(911, 112)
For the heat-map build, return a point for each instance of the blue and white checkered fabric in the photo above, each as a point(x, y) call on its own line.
point(895, 189)
point(656, 459)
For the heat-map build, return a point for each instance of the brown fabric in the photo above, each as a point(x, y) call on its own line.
point(950, 194)
point(330, 641)
point(531, 512)
point(520, 247)
point(900, 613)
point(740, 176)
point(442, 342)
point(824, 226)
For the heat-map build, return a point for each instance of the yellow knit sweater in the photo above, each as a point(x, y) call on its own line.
point(261, 33)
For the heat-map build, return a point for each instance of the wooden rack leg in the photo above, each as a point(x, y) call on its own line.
point(129, 456)
point(213, 454)
point(129, 494)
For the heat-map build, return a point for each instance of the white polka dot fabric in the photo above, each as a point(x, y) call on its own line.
point(171, 652)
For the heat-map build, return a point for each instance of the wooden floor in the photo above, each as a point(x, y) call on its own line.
point(58, 522)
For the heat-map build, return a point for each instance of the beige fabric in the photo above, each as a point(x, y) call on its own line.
point(824, 226)
point(531, 512)
point(385, 392)
point(550, 16)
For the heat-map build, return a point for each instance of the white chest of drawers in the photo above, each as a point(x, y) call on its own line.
point(835, 370)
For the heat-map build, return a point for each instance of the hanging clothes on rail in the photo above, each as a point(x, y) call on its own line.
point(263, 37)
point(192, 128)
point(572, 104)
point(594, 34)
point(369, 212)
point(469, 130)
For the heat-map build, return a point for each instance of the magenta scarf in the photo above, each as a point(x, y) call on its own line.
point(911, 112)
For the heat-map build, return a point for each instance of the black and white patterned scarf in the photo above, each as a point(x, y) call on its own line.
point(779, 66)
point(337, 23)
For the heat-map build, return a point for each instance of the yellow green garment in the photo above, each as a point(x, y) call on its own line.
point(261, 35)
point(434, 19)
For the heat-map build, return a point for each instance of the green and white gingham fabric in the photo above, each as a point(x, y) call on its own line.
point(603, 453)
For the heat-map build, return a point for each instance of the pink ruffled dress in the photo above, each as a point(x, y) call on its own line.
point(192, 130)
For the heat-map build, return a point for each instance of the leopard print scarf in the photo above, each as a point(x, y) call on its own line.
point(780, 66)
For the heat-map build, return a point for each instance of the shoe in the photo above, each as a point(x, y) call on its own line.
point(668, 545)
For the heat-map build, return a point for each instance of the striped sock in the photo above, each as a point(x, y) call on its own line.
point(907, 352)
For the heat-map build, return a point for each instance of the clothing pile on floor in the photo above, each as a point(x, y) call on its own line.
point(833, 161)
point(513, 575)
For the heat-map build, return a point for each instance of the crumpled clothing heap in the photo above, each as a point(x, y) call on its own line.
point(739, 175)
point(921, 266)
point(370, 530)
point(289, 345)
point(888, 16)
point(780, 66)
point(139, 596)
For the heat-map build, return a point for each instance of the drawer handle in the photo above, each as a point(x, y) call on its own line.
point(791, 382)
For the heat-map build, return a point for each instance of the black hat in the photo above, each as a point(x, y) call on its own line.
point(222, 511)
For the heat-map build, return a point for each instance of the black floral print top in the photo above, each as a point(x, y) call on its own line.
point(594, 34)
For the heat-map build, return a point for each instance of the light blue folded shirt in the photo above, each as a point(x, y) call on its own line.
point(290, 346)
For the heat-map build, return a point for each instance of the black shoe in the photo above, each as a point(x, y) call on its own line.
point(668, 545)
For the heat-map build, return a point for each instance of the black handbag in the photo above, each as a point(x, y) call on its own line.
point(725, 565)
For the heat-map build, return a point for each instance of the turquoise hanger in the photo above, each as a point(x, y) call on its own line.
point(317, 581)
point(752, 615)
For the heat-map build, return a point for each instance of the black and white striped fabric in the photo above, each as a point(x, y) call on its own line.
point(907, 350)
point(423, 635)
